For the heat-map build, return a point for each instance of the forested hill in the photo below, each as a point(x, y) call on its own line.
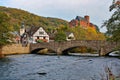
point(51, 25)
point(18, 16)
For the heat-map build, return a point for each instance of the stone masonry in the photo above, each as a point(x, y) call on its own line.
point(103, 47)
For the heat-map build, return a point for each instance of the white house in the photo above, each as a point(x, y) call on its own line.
point(36, 34)
point(70, 36)
point(40, 35)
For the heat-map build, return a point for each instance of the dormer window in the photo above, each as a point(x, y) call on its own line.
point(41, 32)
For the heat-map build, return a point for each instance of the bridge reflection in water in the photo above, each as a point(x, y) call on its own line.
point(102, 47)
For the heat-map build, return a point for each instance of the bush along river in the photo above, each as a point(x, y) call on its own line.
point(44, 67)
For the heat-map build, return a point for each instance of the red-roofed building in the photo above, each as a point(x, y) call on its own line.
point(82, 21)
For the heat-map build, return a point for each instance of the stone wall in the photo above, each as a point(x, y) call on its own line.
point(15, 49)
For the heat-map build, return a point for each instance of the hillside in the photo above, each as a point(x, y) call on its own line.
point(51, 25)
point(18, 16)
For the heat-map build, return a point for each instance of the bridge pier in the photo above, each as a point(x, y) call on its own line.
point(59, 52)
point(101, 52)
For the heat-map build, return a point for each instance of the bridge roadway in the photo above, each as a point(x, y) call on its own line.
point(103, 47)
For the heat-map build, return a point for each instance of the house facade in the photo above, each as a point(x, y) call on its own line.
point(40, 36)
point(33, 35)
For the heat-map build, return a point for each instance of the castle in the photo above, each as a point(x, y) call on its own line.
point(82, 21)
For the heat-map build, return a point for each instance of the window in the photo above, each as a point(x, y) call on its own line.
point(41, 32)
point(37, 37)
point(44, 37)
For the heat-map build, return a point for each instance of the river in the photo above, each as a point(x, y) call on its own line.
point(43, 67)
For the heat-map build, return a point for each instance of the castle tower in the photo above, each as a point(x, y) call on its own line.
point(22, 29)
point(87, 18)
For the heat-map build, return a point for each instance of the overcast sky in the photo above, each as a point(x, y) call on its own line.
point(98, 10)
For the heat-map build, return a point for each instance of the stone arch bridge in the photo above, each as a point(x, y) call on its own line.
point(103, 47)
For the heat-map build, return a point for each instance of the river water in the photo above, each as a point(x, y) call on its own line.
point(42, 67)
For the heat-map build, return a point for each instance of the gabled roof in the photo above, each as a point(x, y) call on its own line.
point(32, 30)
point(68, 33)
point(15, 33)
point(80, 18)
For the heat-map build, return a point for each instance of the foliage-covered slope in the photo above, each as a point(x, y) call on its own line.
point(87, 34)
point(18, 16)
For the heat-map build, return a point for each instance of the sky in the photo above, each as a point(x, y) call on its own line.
point(98, 10)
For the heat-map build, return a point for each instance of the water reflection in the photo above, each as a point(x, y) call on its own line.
point(4, 59)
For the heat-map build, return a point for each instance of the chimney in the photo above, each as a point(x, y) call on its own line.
point(87, 18)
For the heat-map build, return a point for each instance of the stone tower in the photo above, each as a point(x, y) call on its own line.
point(22, 29)
point(87, 18)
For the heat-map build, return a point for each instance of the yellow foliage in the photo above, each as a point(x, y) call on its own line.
point(86, 34)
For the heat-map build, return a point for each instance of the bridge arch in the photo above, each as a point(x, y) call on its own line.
point(66, 50)
point(42, 51)
point(112, 51)
point(40, 46)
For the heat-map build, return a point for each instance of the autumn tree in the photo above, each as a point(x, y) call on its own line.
point(113, 24)
point(60, 36)
point(5, 29)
